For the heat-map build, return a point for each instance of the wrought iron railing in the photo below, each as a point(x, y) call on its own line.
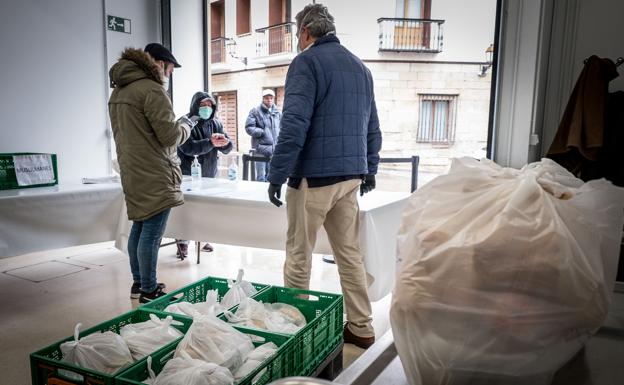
point(218, 52)
point(410, 35)
point(276, 39)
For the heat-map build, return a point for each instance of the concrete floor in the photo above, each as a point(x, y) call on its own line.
point(45, 294)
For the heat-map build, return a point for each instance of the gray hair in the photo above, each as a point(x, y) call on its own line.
point(316, 18)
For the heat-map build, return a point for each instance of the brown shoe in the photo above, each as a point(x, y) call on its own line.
point(361, 342)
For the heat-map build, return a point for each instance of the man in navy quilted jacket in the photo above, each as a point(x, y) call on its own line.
point(327, 149)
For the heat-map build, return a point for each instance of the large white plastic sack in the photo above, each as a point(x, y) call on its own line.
point(144, 338)
point(503, 274)
point(184, 370)
point(210, 306)
point(213, 340)
point(238, 291)
point(254, 359)
point(104, 352)
point(275, 317)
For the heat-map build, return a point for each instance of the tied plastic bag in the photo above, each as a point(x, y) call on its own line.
point(210, 306)
point(146, 337)
point(503, 274)
point(275, 317)
point(239, 290)
point(185, 370)
point(254, 359)
point(213, 340)
point(104, 352)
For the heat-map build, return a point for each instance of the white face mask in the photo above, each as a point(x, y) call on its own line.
point(166, 84)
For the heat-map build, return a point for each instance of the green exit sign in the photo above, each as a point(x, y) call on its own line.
point(118, 24)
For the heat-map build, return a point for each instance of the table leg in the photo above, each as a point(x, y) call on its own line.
point(197, 247)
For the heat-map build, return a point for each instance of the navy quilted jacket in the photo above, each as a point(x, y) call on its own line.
point(329, 122)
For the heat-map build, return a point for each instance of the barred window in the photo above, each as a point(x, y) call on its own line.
point(437, 119)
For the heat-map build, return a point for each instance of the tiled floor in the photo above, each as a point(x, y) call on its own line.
point(45, 294)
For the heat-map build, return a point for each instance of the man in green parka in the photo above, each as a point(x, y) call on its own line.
point(147, 136)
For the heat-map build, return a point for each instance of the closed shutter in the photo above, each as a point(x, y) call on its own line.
point(228, 115)
point(279, 97)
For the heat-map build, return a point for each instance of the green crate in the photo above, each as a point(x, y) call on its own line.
point(195, 292)
point(277, 366)
point(45, 363)
point(323, 332)
point(8, 180)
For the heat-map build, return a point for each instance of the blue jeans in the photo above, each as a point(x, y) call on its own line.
point(262, 171)
point(143, 244)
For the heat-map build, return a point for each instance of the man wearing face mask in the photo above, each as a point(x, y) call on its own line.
point(147, 136)
point(328, 150)
point(207, 139)
point(263, 126)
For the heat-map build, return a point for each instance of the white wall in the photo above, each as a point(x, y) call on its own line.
point(187, 47)
point(54, 83)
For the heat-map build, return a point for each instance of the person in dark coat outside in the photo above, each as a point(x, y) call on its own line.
point(207, 139)
point(263, 125)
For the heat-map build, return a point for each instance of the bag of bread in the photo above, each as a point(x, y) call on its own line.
point(503, 274)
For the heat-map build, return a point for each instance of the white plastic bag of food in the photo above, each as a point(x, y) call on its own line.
point(254, 359)
point(104, 352)
point(503, 274)
point(213, 340)
point(146, 337)
point(275, 317)
point(238, 291)
point(210, 306)
point(185, 370)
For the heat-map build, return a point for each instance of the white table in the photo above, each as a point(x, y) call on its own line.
point(45, 218)
point(239, 213)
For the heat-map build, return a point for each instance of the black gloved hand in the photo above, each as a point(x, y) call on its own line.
point(368, 184)
point(275, 191)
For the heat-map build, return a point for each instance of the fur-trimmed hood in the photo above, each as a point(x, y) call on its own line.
point(134, 64)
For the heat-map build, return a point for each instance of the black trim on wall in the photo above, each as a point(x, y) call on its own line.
point(493, 90)
point(165, 22)
point(205, 43)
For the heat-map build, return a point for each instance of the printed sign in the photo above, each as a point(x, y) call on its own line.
point(33, 169)
point(118, 24)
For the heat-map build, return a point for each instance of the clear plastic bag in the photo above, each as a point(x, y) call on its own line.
point(275, 317)
point(503, 274)
point(210, 306)
point(185, 370)
point(254, 359)
point(104, 352)
point(146, 337)
point(213, 340)
point(239, 290)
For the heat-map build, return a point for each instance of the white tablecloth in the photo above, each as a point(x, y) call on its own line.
point(239, 213)
point(45, 218)
point(221, 211)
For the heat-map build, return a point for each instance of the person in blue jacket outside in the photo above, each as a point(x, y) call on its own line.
point(207, 139)
point(263, 125)
point(327, 149)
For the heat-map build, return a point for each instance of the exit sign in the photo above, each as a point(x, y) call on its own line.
point(118, 24)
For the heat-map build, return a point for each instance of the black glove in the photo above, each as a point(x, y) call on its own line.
point(368, 184)
point(275, 191)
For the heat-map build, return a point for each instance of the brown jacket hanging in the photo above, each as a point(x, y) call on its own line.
point(580, 133)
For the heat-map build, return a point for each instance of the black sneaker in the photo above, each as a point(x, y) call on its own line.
point(135, 290)
point(149, 297)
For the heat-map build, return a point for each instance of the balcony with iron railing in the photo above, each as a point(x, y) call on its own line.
point(276, 43)
point(410, 35)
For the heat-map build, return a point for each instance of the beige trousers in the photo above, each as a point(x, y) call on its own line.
point(336, 208)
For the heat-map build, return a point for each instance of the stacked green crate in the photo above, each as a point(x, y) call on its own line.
point(323, 331)
point(195, 292)
point(46, 363)
point(8, 178)
point(273, 368)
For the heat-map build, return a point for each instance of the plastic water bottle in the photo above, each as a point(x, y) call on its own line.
point(233, 171)
point(196, 173)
